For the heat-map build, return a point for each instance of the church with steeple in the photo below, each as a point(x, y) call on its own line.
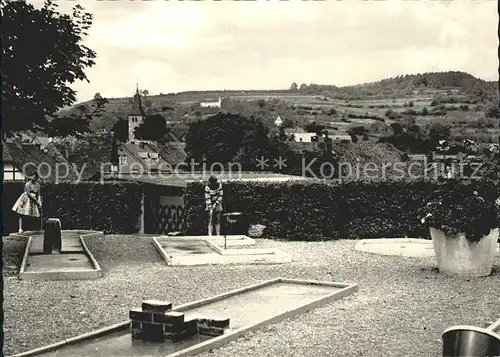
point(136, 115)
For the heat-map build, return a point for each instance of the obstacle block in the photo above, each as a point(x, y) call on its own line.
point(156, 322)
point(212, 326)
point(52, 236)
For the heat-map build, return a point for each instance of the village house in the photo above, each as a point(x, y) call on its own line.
point(23, 159)
point(211, 103)
point(301, 136)
point(304, 137)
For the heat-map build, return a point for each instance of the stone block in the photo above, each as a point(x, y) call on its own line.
point(152, 332)
point(52, 236)
point(171, 318)
point(156, 306)
point(187, 330)
point(138, 315)
point(210, 331)
point(216, 322)
point(136, 329)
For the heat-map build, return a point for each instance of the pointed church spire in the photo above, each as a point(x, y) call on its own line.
point(137, 104)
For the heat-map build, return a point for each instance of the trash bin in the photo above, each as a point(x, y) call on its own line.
point(235, 223)
point(474, 341)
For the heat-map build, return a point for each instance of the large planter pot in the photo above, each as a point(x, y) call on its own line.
point(457, 256)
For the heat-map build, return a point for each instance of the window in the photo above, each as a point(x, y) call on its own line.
point(123, 160)
point(10, 172)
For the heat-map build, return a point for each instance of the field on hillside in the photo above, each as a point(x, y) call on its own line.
point(456, 99)
point(466, 121)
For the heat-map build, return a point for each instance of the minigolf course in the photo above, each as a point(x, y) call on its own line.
point(55, 254)
point(204, 250)
point(403, 247)
point(158, 328)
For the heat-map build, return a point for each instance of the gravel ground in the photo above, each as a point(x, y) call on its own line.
point(402, 307)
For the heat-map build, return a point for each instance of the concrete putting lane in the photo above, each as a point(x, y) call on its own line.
point(245, 309)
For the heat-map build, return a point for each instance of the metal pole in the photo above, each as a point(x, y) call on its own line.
point(225, 225)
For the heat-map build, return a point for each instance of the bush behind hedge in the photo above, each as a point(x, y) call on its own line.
point(112, 207)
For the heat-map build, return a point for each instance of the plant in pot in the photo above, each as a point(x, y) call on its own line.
point(463, 217)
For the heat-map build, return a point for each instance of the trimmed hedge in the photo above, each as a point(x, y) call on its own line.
point(320, 211)
point(112, 207)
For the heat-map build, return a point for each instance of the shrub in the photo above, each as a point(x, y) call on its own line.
point(395, 115)
point(319, 211)
point(410, 112)
point(458, 208)
point(111, 207)
point(296, 211)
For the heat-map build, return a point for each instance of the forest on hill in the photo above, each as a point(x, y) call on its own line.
point(408, 84)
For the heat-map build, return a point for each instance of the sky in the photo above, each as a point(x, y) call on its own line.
point(173, 46)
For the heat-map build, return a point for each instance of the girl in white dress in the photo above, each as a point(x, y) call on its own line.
point(30, 202)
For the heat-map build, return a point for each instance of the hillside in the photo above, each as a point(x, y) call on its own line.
point(459, 82)
point(458, 99)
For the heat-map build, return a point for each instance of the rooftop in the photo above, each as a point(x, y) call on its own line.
point(30, 157)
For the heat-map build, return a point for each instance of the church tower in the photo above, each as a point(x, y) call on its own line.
point(136, 116)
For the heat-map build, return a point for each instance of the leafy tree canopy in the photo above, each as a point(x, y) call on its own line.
point(43, 55)
point(120, 130)
point(227, 138)
point(154, 128)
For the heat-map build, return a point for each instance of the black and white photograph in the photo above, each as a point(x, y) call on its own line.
point(261, 178)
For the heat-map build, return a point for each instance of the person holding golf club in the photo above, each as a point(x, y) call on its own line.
point(213, 204)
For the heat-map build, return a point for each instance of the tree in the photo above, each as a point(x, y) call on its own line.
point(288, 123)
point(492, 111)
point(438, 132)
point(154, 128)
point(313, 127)
point(120, 130)
point(145, 92)
point(114, 152)
point(360, 130)
point(294, 87)
point(43, 55)
point(397, 129)
point(354, 137)
point(226, 138)
point(76, 122)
